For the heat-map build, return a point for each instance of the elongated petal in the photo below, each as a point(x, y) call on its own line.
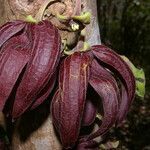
point(10, 29)
point(14, 57)
point(123, 106)
point(21, 42)
point(45, 92)
point(115, 62)
point(89, 114)
point(9, 73)
point(46, 54)
point(55, 109)
point(85, 144)
point(73, 80)
point(96, 67)
point(107, 91)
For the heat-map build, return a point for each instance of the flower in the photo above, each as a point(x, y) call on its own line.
point(107, 73)
point(29, 56)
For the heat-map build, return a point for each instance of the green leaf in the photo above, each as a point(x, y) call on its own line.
point(139, 76)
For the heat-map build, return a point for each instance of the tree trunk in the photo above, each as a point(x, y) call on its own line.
point(34, 131)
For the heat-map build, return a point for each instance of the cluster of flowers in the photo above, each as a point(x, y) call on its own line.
point(32, 63)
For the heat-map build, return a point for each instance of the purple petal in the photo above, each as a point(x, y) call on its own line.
point(73, 80)
point(10, 29)
point(123, 106)
point(55, 109)
point(45, 57)
point(96, 67)
point(13, 59)
point(116, 63)
point(106, 88)
point(43, 95)
point(85, 144)
point(89, 114)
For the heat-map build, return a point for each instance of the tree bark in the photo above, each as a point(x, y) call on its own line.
point(34, 130)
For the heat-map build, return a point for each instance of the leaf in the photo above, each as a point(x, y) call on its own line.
point(42, 65)
point(106, 89)
point(139, 77)
point(73, 80)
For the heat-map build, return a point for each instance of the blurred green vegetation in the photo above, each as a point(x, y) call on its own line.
point(125, 26)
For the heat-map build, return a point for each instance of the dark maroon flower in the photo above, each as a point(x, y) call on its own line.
point(29, 55)
point(68, 102)
point(105, 71)
point(29, 58)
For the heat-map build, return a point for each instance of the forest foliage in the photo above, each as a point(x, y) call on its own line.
point(125, 26)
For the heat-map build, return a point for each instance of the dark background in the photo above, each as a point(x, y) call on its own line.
point(125, 27)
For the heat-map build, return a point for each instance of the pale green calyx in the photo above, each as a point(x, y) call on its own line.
point(139, 77)
point(85, 17)
point(86, 47)
point(30, 19)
